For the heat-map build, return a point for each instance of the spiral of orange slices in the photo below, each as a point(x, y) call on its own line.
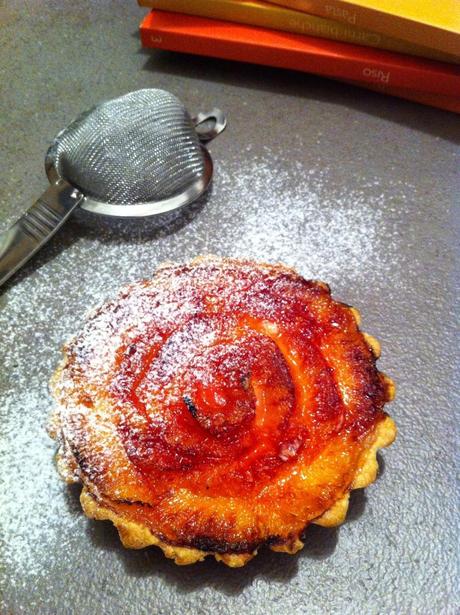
point(218, 407)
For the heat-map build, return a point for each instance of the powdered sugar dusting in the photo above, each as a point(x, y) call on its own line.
point(31, 521)
point(330, 232)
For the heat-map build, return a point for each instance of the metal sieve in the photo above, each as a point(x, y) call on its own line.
point(137, 155)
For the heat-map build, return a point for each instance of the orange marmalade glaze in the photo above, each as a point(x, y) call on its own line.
point(223, 378)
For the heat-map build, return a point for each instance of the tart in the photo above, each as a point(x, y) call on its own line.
point(220, 406)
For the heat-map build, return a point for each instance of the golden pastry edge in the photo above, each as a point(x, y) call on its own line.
point(137, 536)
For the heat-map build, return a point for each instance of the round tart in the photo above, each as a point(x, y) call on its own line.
point(218, 407)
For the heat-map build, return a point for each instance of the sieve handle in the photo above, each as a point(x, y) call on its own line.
point(36, 226)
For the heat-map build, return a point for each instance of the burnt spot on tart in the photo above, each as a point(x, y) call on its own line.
point(221, 406)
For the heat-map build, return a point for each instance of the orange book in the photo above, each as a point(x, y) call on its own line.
point(232, 41)
point(433, 23)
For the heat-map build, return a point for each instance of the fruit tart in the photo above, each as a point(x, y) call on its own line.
point(218, 407)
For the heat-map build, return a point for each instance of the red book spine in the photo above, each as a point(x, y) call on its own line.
point(231, 41)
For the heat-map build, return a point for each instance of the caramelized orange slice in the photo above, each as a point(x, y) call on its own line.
point(218, 407)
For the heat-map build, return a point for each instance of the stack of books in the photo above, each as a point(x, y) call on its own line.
point(407, 48)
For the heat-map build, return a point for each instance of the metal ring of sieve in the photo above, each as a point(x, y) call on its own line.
point(137, 155)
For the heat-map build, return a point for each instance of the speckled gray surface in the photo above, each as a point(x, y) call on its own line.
point(347, 186)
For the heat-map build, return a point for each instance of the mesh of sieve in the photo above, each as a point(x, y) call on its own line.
point(139, 148)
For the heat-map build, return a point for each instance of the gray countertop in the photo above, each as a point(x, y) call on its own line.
point(354, 188)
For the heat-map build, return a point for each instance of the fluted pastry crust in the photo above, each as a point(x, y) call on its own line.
point(218, 407)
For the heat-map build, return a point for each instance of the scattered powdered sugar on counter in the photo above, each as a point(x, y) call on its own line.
point(297, 216)
point(327, 235)
point(31, 500)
